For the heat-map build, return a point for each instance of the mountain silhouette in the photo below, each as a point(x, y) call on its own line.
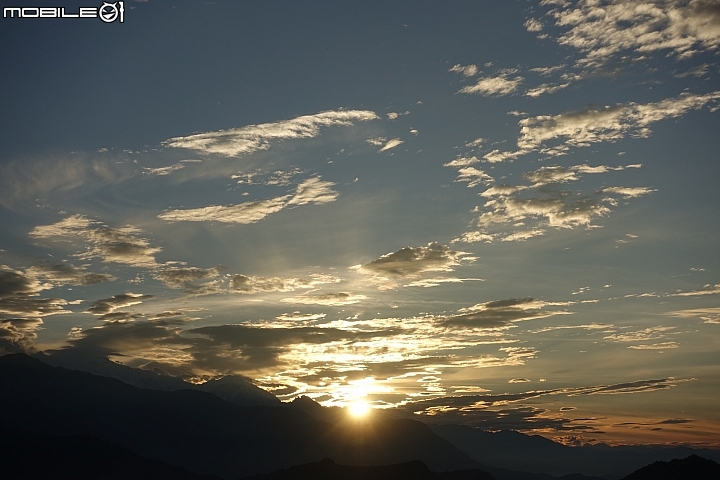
point(540, 455)
point(234, 389)
point(33, 456)
point(201, 432)
point(327, 469)
point(690, 468)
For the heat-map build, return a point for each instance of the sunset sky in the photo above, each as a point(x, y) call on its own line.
point(500, 214)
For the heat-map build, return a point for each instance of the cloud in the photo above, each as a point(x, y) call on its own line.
point(66, 273)
point(497, 86)
point(313, 190)
point(462, 162)
point(392, 143)
point(472, 237)
point(466, 71)
point(518, 380)
point(249, 284)
point(220, 349)
point(501, 313)
point(655, 346)
point(555, 208)
point(594, 125)
point(708, 315)
point(546, 204)
point(603, 30)
point(533, 25)
point(118, 245)
point(706, 290)
point(252, 138)
point(300, 317)
point(109, 305)
point(330, 299)
point(629, 192)
point(17, 335)
point(523, 235)
point(243, 213)
point(310, 191)
point(435, 282)
point(15, 283)
point(413, 261)
point(473, 177)
point(19, 296)
point(161, 171)
point(22, 181)
point(545, 88)
point(23, 306)
point(444, 409)
point(186, 278)
point(645, 334)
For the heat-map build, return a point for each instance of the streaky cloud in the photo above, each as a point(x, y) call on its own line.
point(252, 138)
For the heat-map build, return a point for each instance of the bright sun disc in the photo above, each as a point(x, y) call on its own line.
point(359, 408)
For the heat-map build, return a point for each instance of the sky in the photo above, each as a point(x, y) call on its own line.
point(497, 214)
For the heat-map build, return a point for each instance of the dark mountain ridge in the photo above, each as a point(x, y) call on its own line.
point(234, 389)
point(201, 432)
point(500, 449)
point(327, 469)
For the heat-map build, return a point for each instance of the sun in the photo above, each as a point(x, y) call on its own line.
point(359, 408)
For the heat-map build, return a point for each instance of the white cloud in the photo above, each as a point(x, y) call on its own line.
point(523, 235)
point(655, 346)
point(437, 281)
point(545, 88)
point(312, 190)
point(461, 162)
point(604, 29)
point(392, 143)
point(500, 85)
point(472, 237)
point(252, 138)
point(594, 125)
point(466, 71)
point(533, 25)
point(629, 192)
point(243, 213)
point(473, 176)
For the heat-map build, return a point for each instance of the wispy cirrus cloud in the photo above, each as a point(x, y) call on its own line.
point(252, 138)
point(310, 191)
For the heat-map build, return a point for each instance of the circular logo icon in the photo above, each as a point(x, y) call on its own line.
point(109, 12)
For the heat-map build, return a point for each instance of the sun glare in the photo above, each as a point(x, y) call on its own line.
point(359, 408)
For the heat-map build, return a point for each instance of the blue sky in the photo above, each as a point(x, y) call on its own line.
point(423, 205)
